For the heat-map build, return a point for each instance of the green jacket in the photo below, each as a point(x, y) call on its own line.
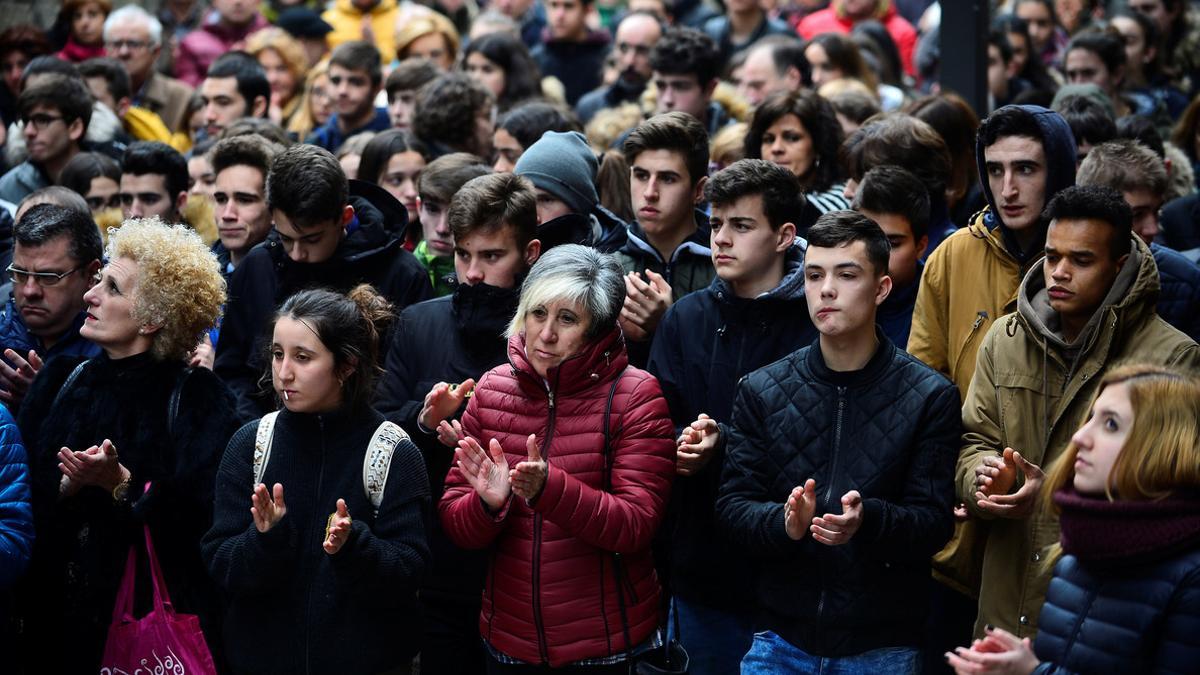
point(1031, 392)
point(440, 268)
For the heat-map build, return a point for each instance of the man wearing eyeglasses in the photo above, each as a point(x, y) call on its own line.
point(134, 37)
point(636, 34)
point(56, 111)
point(56, 256)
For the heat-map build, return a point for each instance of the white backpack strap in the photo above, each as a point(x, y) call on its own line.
point(378, 461)
point(262, 446)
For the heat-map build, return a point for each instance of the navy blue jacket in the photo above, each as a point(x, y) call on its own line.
point(1127, 619)
point(891, 431)
point(331, 137)
point(1179, 297)
point(895, 314)
point(705, 343)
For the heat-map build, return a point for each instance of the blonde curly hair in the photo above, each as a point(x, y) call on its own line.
point(179, 285)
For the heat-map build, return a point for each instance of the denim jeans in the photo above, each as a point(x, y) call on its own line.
point(771, 654)
point(715, 640)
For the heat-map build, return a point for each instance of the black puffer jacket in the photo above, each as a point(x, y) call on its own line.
point(890, 431)
point(292, 607)
point(706, 342)
point(267, 277)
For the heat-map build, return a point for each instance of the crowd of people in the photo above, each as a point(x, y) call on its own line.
point(590, 336)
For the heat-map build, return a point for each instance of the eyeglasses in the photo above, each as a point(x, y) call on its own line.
point(43, 279)
point(131, 45)
point(96, 203)
point(39, 121)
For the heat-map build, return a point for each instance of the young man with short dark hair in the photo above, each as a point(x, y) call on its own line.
point(839, 474)
point(57, 251)
point(1083, 308)
point(56, 111)
point(355, 75)
point(897, 201)
point(438, 348)
point(686, 65)
point(1139, 175)
point(436, 186)
point(402, 85)
point(570, 50)
point(236, 86)
point(752, 314)
point(322, 238)
point(668, 243)
point(154, 179)
point(241, 165)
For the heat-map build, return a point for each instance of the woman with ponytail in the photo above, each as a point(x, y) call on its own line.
point(1125, 597)
point(318, 534)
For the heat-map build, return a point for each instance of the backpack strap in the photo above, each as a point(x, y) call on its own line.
point(262, 446)
point(378, 460)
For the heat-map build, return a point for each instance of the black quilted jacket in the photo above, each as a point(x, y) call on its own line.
point(1139, 619)
point(890, 431)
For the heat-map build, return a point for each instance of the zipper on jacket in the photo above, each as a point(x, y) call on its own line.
point(979, 319)
point(543, 650)
point(308, 595)
point(837, 443)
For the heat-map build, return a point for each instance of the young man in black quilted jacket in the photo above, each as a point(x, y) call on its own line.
point(838, 474)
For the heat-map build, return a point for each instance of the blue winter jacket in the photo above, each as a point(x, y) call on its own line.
point(1179, 297)
point(16, 512)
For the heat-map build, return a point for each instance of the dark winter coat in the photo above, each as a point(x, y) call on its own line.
point(551, 595)
point(1181, 226)
point(267, 276)
point(83, 541)
point(16, 511)
point(293, 608)
point(890, 431)
point(579, 65)
point(895, 314)
point(1179, 296)
point(705, 344)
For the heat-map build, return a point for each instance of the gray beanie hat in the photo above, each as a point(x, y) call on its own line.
point(563, 164)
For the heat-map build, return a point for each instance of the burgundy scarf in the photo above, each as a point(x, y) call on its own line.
point(1097, 530)
point(76, 52)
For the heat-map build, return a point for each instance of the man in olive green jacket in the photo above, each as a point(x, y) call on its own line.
point(1087, 307)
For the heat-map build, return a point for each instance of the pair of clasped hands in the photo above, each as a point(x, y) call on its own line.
point(268, 508)
point(995, 476)
point(486, 470)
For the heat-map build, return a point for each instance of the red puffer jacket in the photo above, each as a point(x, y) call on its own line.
point(550, 596)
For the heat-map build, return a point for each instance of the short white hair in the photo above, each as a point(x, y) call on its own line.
point(577, 274)
point(135, 13)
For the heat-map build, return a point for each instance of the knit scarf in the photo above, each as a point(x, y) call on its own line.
point(1097, 530)
point(76, 52)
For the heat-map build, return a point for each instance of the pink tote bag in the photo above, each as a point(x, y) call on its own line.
point(160, 642)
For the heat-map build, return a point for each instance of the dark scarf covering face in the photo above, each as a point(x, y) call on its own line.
point(482, 312)
point(1100, 531)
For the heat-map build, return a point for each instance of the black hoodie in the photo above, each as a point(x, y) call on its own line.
point(267, 277)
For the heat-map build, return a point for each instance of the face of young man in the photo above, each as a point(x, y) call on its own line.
point(493, 257)
point(683, 93)
point(746, 251)
point(843, 289)
point(1079, 268)
point(146, 195)
point(129, 43)
point(243, 218)
point(48, 136)
point(400, 108)
point(435, 227)
point(353, 93)
point(567, 19)
point(1016, 174)
point(1145, 205)
point(663, 196)
point(223, 104)
point(906, 251)
point(313, 244)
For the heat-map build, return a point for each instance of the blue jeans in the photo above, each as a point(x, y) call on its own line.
point(771, 654)
point(715, 640)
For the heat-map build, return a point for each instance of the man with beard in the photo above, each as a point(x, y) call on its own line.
point(438, 349)
point(636, 34)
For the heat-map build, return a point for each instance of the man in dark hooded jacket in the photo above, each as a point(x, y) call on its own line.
point(322, 238)
point(753, 314)
point(570, 50)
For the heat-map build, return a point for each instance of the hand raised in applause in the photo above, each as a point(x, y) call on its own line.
point(267, 508)
point(529, 476)
point(487, 472)
point(337, 530)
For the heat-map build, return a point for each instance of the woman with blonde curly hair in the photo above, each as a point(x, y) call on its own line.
point(285, 62)
point(128, 438)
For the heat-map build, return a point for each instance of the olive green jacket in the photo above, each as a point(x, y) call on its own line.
point(1031, 392)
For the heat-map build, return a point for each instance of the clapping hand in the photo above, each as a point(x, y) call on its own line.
point(695, 445)
point(1019, 504)
point(267, 509)
point(799, 509)
point(529, 477)
point(442, 401)
point(98, 465)
point(337, 530)
point(998, 652)
point(487, 472)
point(645, 304)
point(835, 530)
point(15, 379)
point(996, 475)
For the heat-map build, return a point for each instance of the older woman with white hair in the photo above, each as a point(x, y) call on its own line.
point(130, 437)
point(563, 469)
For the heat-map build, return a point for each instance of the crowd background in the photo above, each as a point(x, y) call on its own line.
point(533, 300)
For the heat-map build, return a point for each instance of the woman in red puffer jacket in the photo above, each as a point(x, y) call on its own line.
point(531, 471)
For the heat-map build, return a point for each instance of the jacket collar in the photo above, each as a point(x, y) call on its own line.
point(696, 244)
point(600, 361)
point(867, 374)
point(790, 287)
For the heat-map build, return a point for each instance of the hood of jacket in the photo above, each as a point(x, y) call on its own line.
point(1059, 145)
point(1134, 293)
point(601, 229)
point(697, 243)
point(789, 288)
